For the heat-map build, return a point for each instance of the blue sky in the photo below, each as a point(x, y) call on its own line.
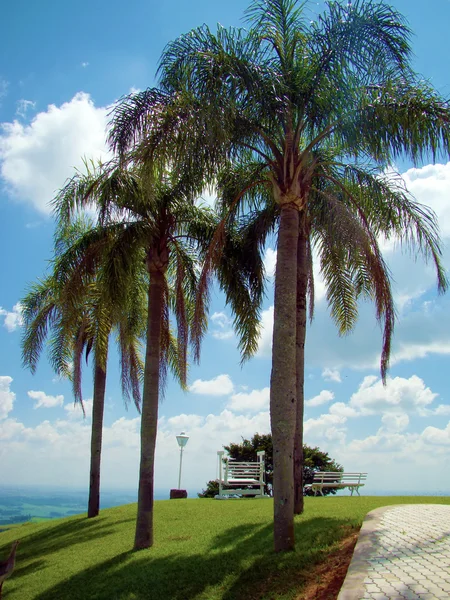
point(61, 68)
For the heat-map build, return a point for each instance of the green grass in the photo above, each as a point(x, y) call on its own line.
point(204, 549)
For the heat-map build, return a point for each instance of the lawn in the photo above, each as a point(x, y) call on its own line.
point(204, 549)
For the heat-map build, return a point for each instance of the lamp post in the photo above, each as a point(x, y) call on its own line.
point(182, 440)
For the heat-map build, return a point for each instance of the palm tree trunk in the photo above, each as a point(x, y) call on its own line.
point(150, 398)
point(283, 386)
point(98, 406)
point(302, 282)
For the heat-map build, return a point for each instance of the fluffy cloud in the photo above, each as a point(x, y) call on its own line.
point(219, 386)
point(331, 375)
point(266, 329)
point(442, 410)
point(43, 400)
point(342, 410)
point(254, 401)
point(398, 396)
point(13, 319)
point(322, 398)
point(270, 262)
point(430, 185)
point(36, 159)
point(393, 442)
point(7, 397)
point(437, 437)
point(395, 422)
point(223, 324)
point(74, 410)
point(329, 427)
point(9, 429)
point(58, 452)
point(185, 422)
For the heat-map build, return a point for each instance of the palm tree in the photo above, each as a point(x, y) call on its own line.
point(77, 328)
point(319, 109)
point(150, 214)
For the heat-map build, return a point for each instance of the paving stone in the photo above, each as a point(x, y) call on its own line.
point(405, 555)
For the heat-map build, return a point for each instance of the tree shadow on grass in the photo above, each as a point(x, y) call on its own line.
point(62, 536)
point(240, 563)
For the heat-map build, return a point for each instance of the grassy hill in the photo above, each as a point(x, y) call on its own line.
point(204, 549)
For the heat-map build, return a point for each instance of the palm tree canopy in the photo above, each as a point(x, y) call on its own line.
point(310, 114)
point(82, 323)
point(147, 219)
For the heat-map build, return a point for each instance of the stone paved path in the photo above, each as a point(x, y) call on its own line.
point(403, 552)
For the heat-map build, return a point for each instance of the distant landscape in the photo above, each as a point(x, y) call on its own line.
point(27, 503)
point(31, 503)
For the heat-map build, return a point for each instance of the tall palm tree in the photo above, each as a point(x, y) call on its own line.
point(77, 328)
point(323, 107)
point(151, 216)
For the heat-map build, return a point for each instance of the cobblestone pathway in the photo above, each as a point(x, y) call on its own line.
point(403, 552)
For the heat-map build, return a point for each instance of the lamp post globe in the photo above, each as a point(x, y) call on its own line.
point(182, 440)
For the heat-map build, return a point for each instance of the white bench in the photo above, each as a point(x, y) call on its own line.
point(331, 479)
point(238, 478)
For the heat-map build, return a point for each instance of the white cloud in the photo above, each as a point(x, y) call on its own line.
point(331, 375)
point(391, 442)
point(23, 106)
point(224, 324)
point(58, 453)
point(185, 422)
point(266, 331)
point(329, 427)
point(322, 398)
point(74, 410)
point(270, 262)
point(13, 319)
point(7, 397)
point(412, 351)
point(399, 395)
point(395, 422)
point(9, 428)
point(84, 64)
point(36, 159)
point(342, 410)
point(123, 433)
point(44, 400)
point(218, 386)
point(254, 401)
point(437, 437)
point(223, 335)
point(430, 185)
point(442, 410)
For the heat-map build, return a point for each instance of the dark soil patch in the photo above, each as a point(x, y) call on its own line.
point(326, 579)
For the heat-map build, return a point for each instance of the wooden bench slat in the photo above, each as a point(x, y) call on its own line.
point(241, 477)
point(338, 480)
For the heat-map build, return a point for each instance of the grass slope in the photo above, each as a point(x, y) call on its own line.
point(204, 549)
